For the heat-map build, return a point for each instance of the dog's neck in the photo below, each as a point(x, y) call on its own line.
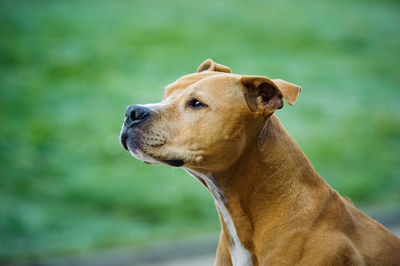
point(276, 162)
point(279, 176)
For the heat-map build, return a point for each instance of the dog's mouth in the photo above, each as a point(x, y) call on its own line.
point(141, 145)
point(124, 139)
point(131, 140)
point(175, 163)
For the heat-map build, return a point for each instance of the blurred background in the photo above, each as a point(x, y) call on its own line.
point(68, 69)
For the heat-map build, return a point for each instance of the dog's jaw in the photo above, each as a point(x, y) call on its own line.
point(138, 154)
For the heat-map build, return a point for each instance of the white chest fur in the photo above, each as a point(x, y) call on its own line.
point(240, 255)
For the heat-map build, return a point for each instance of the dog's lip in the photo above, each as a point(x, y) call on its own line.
point(124, 138)
point(175, 163)
point(124, 135)
point(138, 152)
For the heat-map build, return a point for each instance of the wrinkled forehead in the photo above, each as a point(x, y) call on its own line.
point(197, 80)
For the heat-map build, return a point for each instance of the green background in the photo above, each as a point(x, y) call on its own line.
point(68, 69)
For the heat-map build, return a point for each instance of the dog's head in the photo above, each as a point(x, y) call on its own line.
point(206, 119)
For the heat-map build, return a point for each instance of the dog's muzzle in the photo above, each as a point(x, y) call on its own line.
point(135, 114)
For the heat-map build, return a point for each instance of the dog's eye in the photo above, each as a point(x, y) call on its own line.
point(196, 104)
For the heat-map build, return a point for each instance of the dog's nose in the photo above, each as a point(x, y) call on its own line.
point(136, 113)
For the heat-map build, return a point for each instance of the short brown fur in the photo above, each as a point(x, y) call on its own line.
point(284, 212)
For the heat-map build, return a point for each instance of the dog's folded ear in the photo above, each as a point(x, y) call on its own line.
point(268, 93)
point(210, 65)
point(289, 90)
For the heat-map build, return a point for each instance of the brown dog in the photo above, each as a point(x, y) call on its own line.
point(274, 208)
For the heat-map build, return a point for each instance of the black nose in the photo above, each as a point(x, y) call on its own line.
point(135, 114)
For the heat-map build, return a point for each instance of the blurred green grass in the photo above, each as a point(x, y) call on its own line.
point(68, 69)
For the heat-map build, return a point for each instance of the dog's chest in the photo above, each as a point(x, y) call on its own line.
point(240, 255)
